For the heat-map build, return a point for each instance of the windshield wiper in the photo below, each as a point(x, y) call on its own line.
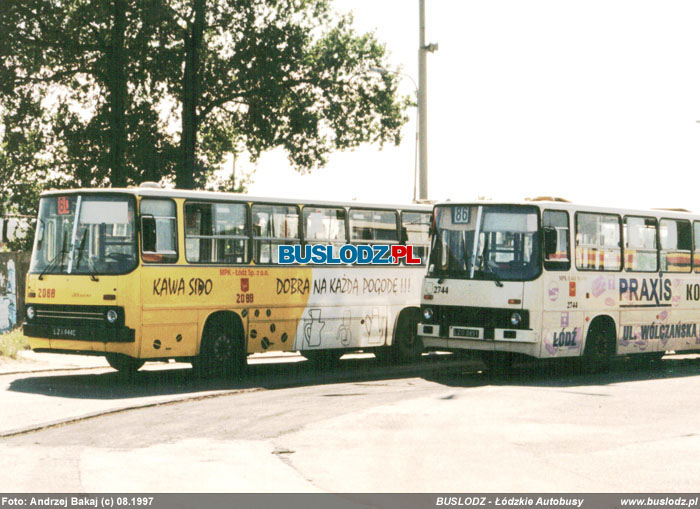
point(59, 257)
point(496, 279)
point(81, 250)
point(487, 269)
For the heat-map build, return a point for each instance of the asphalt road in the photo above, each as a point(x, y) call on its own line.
point(440, 425)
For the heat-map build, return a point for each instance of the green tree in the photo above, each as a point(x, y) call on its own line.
point(260, 74)
point(92, 92)
point(89, 63)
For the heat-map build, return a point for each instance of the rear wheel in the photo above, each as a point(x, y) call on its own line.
point(123, 363)
point(222, 352)
point(407, 346)
point(600, 348)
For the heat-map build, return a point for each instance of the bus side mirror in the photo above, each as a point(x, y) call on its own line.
point(550, 242)
point(40, 235)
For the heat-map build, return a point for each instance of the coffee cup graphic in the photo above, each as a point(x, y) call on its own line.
point(375, 326)
point(344, 331)
point(313, 327)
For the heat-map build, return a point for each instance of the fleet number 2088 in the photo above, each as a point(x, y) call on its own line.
point(244, 298)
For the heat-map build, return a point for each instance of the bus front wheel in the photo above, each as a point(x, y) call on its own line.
point(221, 353)
point(123, 363)
point(600, 347)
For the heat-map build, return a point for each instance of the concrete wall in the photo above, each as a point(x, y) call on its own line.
point(13, 271)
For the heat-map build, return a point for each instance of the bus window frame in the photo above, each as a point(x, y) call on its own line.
point(696, 248)
point(553, 265)
point(248, 235)
point(131, 198)
point(623, 241)
point(397, 226)
point(253, 237)
point(620, 246)
point(435, 250)
point(177, 233)
point(346, 226)
point(404, 241)
point(692, 243)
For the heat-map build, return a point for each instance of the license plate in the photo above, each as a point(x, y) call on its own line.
point(466, 333)
point(64, 332)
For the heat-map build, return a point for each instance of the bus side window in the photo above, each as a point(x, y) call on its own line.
point(216, 232)
point(324, 225)
point(158, 231)
point(273, 225)
point(557, 255)
point(696, 244)
point(640, 244)
point(373, 227)
point(415, 231)
point(598, 242)
point(676, 245)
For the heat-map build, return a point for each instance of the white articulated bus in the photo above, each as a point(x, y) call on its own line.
point(547, 278)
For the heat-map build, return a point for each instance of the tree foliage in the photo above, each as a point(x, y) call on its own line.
point(115, 92)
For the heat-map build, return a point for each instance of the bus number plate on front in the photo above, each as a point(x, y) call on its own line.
point(460, 215)
point(64, 332)
point(466, 333)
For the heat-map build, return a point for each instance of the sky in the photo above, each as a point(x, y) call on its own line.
point(596, 102)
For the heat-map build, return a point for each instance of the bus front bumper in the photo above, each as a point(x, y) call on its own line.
point(79, 333)
point(456, 336)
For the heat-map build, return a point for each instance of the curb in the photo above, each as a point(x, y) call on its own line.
point(112, 411)
point(339, 378)
point(18, 369)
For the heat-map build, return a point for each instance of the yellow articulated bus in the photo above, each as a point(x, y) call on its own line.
point(551, 279)
point(145, 273)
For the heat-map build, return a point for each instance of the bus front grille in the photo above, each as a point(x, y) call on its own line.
point(54, 314)
point(488, 318)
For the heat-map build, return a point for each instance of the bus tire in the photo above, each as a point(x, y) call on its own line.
point(222, 353)
point(600, 347)
point(407, 347)
point(124, 364)
point(323, 359)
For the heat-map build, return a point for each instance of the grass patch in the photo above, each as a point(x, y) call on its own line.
point(13, 342)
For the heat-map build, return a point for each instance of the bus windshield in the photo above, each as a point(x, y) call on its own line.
point(486, 242)
point(102, 241)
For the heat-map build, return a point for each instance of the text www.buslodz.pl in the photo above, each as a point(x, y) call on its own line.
point(362, 254)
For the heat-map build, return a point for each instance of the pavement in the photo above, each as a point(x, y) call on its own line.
point(29, 362)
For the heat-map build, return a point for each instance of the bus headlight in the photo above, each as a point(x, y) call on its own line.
point(30, 312)
point(515, 319)
point(112, 316)
point(428, 314)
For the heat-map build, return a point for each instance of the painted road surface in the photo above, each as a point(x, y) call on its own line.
point(452, 429)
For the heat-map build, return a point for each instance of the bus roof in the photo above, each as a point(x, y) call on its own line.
point(238, 197)
point(575, 207)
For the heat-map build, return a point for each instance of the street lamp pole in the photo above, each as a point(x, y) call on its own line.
point(423, 51)
point(422, 103)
